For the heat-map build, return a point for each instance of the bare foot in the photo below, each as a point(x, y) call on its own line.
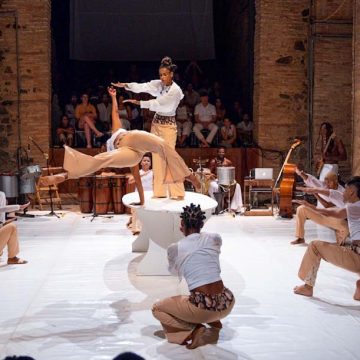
point(178, 198)
point(298, 241)
point(357, 291)
point(16, 261)
point(305, 290)
point(99, 134)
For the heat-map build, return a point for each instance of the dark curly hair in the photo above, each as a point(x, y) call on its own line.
point(167, 63)
point(193, 217)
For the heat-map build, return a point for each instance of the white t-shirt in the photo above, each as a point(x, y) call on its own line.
point(245, 127)
point(205, 113)
point(353, 217)
point(147, 179)
point(167, 97)
point(196, 258)
point(104, 112)
point(5, 208)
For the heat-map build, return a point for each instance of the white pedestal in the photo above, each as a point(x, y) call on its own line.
point(160, 218)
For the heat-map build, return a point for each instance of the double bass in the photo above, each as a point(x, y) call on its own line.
point(287, 184)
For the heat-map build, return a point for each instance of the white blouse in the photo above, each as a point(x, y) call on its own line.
point(5, 208)
point(110, 143)
point(147, 179)
point(196, 258)
point(353, 217)
point(167, 97)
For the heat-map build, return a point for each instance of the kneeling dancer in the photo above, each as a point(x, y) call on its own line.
point(196, 258)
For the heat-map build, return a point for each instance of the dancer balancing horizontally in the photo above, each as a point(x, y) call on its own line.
point(125, 149)
point(196, 258)
point(168, 95)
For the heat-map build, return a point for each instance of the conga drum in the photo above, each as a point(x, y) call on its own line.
point(85, 194)
point(102, 194)
point(117, 191)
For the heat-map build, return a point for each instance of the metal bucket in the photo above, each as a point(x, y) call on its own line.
point(31, 171)
point(226, 175)
point(9, 185)
point(27, 186)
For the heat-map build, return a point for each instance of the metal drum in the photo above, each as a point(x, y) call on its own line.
point(31, 171)
point(9, 185)
point(27, 186)
point(226, 175)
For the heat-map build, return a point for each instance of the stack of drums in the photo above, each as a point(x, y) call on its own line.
point(103, 194)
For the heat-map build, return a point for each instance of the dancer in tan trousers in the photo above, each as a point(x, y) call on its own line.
point(346, 257)
point(8, 232)
point(168, 95)
point(125, 149)
point(196, 258)
point(329, 193)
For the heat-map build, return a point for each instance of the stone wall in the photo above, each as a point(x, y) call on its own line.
point(30, 82)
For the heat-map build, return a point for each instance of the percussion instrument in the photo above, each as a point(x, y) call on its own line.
point(31, 171)
point(102, 194)
point(226, 175)
point(27, 186)
point(118, 189)
point(9, 185)
point(85, 194)
point(205, 176)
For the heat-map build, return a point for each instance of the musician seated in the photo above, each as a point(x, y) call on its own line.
point(329, 193)
point(221, 161)
point(8, 232)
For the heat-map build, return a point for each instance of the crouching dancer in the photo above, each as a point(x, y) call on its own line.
point(183, 317)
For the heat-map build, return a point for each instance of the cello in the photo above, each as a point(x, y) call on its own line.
point(287, 184)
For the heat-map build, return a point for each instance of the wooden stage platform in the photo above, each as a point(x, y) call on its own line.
point(243, 159)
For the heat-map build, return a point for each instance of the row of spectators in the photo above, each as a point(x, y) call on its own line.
point(203, 119)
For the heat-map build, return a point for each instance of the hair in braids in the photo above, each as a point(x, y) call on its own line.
point(193, 217)
point(167, 63)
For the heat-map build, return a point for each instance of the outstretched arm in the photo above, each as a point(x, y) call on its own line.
point(136, 174)
point(116, 121)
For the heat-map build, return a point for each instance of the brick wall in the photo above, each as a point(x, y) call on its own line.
point(281, 88)
point(33, 56)
point(356, 92)
point(280, 78)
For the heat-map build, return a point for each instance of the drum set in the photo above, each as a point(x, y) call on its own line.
point(225, 178)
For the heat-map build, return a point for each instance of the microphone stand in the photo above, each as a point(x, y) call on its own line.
point(46, 156)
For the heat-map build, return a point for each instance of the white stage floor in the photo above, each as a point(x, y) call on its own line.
point(79, 297)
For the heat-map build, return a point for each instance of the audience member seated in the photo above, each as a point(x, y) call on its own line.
point(245, 131)
point(125, 111)
point(220, 112)
point(228, 134)
point(85, 114)
point(104, 110)
point(191, 98)
point(65, 132)
point(221, 161)
point(215, 91)
point(184, 124)
point(8, 232)
point(205, 118)
point(70, 110)
point(236, 112)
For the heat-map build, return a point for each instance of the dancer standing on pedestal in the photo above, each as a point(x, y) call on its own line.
point(168, 95)
point(125, 149)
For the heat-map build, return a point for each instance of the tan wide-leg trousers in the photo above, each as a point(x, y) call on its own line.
point(341, 256)
point(179, 317)
point(169, 134)
point(339, 225)
point(8, 236)
point(133, 145)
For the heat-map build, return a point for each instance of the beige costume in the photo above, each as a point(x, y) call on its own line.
point(130, 148)
point(346, 257)
point(304, 213)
